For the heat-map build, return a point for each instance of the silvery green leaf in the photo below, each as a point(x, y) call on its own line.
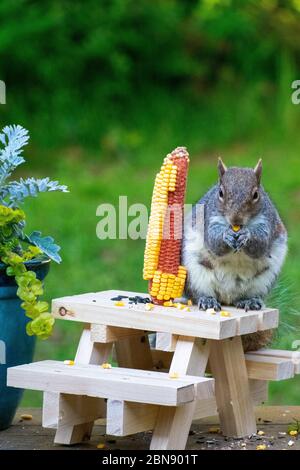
point(46, 244)
point(19, 190)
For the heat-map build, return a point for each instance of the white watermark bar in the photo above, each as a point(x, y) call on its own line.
point(125, 221)
point(2, 92)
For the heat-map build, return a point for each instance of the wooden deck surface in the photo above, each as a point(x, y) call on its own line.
point(28, 434)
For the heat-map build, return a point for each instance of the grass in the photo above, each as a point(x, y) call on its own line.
point(125, 164)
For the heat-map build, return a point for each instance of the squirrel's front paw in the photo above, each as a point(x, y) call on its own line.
point(242, 238)
point(208, 302)
point(255, 303)
point(229, 237)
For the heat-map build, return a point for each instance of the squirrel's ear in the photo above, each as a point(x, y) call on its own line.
point(258, 170)
point(222, 168)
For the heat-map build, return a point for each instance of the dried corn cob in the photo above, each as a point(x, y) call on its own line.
point(164, 238)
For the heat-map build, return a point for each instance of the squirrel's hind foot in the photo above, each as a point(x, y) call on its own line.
point(255, 303)
point(205, 302)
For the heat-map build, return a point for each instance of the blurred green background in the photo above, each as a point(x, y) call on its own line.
point(108, 87)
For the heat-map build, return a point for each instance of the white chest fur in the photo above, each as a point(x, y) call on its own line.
point(233, 276)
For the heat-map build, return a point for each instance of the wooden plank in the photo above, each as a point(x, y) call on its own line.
point(76, 413)
point(173, 424)
point(269, 368)
point(110, 334)
point(162, 319)
point(125, 418)
point(259, 391)
point(294, 356)
point(117, 383)
point(89, 352)
point(268, 319)
point(232, 388)
point(97, 308)
point(50, 410)
point(134, 352)
point(130, 352)
point(247, 322)
point(161, 359)
point(165, 341)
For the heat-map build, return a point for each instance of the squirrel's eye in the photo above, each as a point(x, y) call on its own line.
point(255, 196)
point(221, 194)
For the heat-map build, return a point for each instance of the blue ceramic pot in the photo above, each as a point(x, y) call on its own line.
point(16, 347)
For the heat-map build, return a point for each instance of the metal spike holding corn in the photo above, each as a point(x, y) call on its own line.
point(164, 238)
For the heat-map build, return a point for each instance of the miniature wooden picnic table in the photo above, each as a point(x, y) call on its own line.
point(133, 396)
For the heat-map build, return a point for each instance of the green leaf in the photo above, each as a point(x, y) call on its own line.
point(46, 244)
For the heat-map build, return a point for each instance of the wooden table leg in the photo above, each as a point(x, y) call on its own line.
point(227, 362)
point(133, 353)
point(77, 414)
point(173, 423)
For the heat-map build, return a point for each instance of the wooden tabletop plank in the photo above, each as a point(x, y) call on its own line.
point(98, 308)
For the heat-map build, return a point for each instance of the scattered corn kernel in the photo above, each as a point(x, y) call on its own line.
point(174, 375)
point(26, 417)
point(100, 446)
point(169, 303)
point(224, 313)
point(119, 303)
point(180, 306)
point(261, 433)
point(293, 433)
point(261, 447)
point(69, 362)
point(236, 228)
point(189, 302)
point(187, 309)
point(149, 306)
point(106, 365)
point(214, 430)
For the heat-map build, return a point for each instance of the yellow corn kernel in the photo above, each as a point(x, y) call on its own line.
point(214, 430)
point(189, 302)
point(236, 228)
point(26, 417)
point(293, 433)
point(261, 447)
point(224, 313)
point(168, 304)
point(119, 303)
point(69, 362)
point(100, 446)
point(106, 365)
point(149, 306)
point(174, 375)
point(160, 297)
point(260, 433)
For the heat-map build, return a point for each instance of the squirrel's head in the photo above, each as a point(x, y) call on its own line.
point(239, 196)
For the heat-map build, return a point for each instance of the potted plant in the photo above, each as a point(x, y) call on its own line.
point(24, 263)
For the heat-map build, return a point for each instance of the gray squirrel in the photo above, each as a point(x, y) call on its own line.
point(234, 250)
